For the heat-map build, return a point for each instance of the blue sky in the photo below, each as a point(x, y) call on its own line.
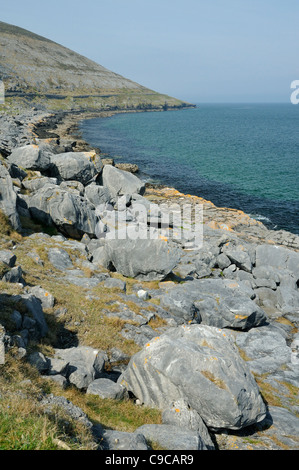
point(195, 50)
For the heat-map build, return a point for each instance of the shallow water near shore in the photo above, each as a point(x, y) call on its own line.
point(243, 156)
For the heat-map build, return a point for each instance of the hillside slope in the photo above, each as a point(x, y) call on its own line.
point(38, 69)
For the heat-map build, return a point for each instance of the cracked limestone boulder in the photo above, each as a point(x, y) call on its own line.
point(201, 365)
point(121, 182)
point(146, 260)
point(215, 302)
point(30, 157)
point(70, 213)
point(8, 198)
point(78, 166)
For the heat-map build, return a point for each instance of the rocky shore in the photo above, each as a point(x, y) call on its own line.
point(206, 333)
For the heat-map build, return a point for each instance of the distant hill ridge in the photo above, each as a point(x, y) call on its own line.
point(47, 73)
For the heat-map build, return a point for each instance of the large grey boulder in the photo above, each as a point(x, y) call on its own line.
point(8, 257)
point(200, 364)
point(265, 348)
point(8, 198)
point(85, 364)
point(76, 166)
point(71, 214)
point(141, 259)
point(97, 195)
point(171, 437)
point(30, 157)
point(105, 388)
point(121, 182)
point(38, 182)
point(215, 302)
point(34, 308)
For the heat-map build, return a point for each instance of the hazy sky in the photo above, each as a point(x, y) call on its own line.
point(195, 50)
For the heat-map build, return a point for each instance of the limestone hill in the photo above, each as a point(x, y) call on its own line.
point(37, 69)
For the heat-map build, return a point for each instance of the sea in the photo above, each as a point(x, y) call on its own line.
point(242, 156)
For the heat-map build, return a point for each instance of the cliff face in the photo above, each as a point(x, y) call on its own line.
point(45, 72)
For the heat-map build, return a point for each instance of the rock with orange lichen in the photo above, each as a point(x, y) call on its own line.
point(30, 157)
point(221, 303)
point(201, 365)
point(146, 260)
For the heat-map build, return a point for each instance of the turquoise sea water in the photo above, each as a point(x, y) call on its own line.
point(244, 156)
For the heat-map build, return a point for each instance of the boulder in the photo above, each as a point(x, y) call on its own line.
point(97, 195)
point(8, 198)
point(240, 258)
point(120, 441)
point(201, 365)
point(34, 308)
point(105, 388)
point(121, 182)
point(30, 157)
point(70, 213)
point(8, 258)
point(265, 348)
point(85, 365)
point(181, 416)
point(278, 257)
point(14, 276)
point(170, 437)
point(215, 302)
point(39, 182)
point(47, 299)
point(145, 260)
point(60, 259)
point(76, 166)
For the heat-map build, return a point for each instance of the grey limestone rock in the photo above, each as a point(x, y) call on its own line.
point(215, 302)
point(73, 166)
point(8, 198)
point(85, 364)
point(60, 259)
point(70, 213)
point(182, 416)
point(265, 348)
point(8, 257)
point(121, 182)
point(141, 259)
point(117, 440)
point(106, 388)
point(97, 194)
point(47, 299)
point(171, 437)
point(30, 157)
point(200, 364)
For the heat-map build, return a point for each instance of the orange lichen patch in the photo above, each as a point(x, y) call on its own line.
point(233, 285)
point(177, 410)
point(46, 294)
point(240, 317)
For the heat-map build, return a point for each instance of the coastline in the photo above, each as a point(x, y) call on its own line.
point(65, 127)
point(241, 286)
